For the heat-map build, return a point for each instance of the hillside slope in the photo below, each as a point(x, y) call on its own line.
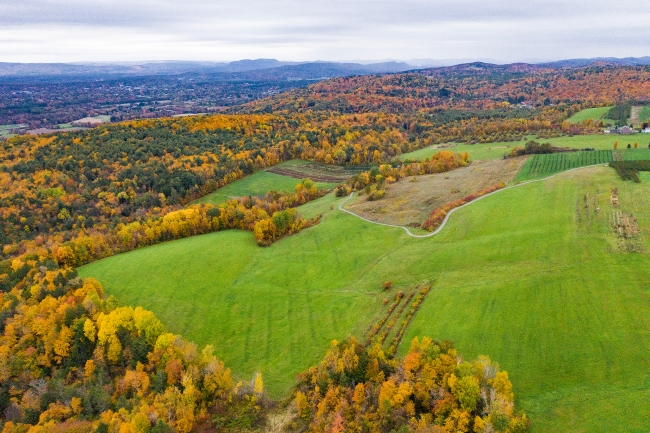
point(548, 294)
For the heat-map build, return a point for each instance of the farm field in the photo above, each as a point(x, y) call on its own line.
point(5, 130)
point(644, 114)
point(590, 114)
point(639, 154)
point(539, 166)
point(258, 183)
point(317, 172)
point(533, 276)
point(410, 201)
point(487, 151)
point(265, 303)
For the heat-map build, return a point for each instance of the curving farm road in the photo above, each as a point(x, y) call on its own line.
point(444, 222)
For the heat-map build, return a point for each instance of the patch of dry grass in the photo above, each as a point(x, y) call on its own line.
point(410, 201)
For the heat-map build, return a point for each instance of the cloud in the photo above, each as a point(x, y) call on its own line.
point(506, 30)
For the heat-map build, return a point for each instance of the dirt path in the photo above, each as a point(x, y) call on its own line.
point(410, 201)
point(444, 222)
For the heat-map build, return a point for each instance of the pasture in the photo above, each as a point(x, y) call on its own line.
point(644, 114)
point(594, 114)
point(256, 184)
point(533, 276)
point(639, 154)
point(410, 201)
point(539, 166)
point(488, 151)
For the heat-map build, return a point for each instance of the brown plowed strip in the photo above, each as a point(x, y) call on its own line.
point(301, 175)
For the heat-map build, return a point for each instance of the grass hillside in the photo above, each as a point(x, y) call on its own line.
point(589, 114)
point(489, 151)
point(273, 309)
point(644, 114)
point(533, 276)
point(544, 165)
point(258, 183)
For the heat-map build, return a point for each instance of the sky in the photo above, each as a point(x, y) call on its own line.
point(336, 30)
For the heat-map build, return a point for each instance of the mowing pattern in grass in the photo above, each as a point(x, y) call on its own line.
point(539, 166)
point(518, 278)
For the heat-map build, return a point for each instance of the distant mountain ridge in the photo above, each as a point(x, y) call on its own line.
point(614, 61)
point(258, 69)
point(274, 70)
point(312, 71)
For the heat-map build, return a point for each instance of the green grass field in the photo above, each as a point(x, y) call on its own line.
point(640, 154)
point(644, 115)
point(528, 276)
point(539, 166)
point(487, 151)
point(258, 183)
point(590, 114)
point(5, 130)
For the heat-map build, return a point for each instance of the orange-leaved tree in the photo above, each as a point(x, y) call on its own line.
point(432, 389)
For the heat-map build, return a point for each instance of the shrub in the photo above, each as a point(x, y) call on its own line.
point(342, 191)
point(438, 215)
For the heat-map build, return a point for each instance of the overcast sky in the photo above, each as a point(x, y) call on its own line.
point(225, 30)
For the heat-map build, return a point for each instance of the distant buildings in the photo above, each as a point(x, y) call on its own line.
point(625, 130)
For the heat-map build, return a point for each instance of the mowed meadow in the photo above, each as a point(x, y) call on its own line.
point(488, 151)
point(258, 184)
point(533, 277)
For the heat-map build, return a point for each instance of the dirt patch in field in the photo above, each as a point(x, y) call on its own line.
point(628, 235)
point(317, 172)
point(301, 175)
point(410, 201)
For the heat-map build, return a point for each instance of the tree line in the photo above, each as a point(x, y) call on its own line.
point(72, 360)
point(61, 185)
point(269, 218)
point(431, 390)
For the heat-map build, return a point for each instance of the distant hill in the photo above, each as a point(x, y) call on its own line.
point(577, 63)
point(276, 70)
point(481, 68)
point(313, 71)
point(105, 69)
point(259, 69)
point(252, 65)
